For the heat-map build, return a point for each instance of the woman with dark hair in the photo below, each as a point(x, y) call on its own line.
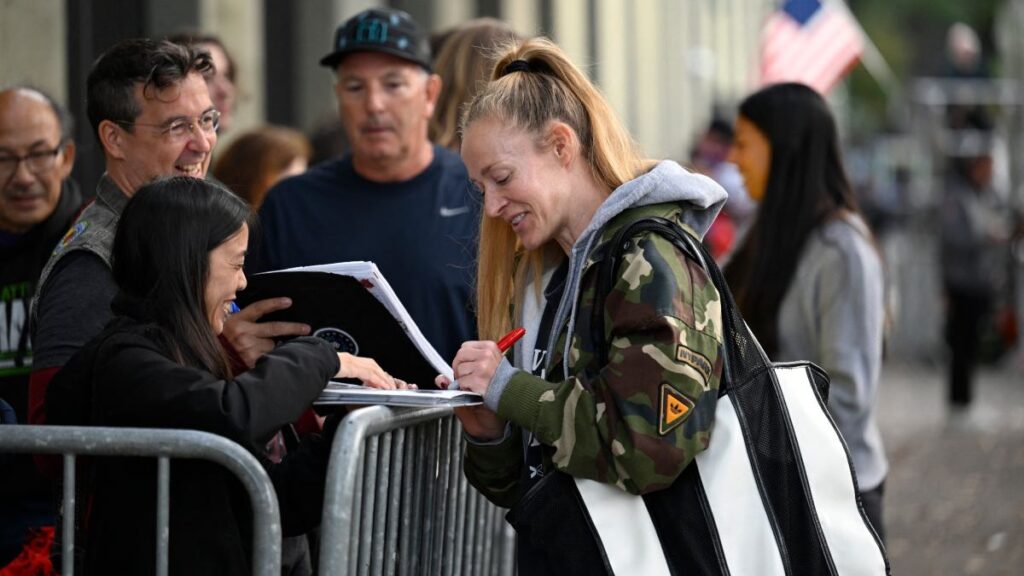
point(807, 278)
point(177, 259)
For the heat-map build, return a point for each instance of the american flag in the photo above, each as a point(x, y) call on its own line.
point(810, 41)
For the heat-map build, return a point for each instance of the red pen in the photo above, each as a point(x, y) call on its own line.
point(509, 339)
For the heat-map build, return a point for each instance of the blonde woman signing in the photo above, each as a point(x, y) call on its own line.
point(559, 176)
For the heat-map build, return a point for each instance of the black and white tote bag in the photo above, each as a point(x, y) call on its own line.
point(773, 494)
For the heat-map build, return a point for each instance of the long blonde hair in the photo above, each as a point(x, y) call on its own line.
point(542, 85)
point(464, 63)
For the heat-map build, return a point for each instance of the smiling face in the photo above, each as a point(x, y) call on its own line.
point(225, 278)
point(526, 185)
point(752, 154)
point(143, 152)
point(385, 104)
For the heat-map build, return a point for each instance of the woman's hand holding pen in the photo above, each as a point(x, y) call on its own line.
point(476, 361)
point(369, 372)
point(474, 367)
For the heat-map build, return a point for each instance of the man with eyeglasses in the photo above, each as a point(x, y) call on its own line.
point(37, 203)
point(150, 108)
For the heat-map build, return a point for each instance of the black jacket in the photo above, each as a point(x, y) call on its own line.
point(125, 378)
point(24, 494)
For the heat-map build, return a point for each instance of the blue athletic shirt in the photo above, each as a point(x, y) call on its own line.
point(421, 233)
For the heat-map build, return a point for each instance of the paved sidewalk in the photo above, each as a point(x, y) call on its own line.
point(954, 501)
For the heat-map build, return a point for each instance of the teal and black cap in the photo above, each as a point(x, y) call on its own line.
point(380, 30)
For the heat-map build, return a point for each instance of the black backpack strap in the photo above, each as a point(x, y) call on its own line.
point(607, 269)
point(743, 356)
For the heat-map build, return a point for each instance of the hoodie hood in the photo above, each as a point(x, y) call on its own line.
point(667, 182)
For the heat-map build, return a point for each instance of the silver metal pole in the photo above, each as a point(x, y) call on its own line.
point(101, 441)
point(163, 499)
point(68, 528)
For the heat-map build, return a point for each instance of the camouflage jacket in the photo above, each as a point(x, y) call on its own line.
point(638, 421)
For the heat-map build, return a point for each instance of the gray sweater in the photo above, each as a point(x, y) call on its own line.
point(833, 315)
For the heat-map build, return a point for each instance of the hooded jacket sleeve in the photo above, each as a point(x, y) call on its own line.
point(494, 468)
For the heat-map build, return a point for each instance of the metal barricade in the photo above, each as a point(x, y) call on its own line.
point(72, 441)
point(397, 501)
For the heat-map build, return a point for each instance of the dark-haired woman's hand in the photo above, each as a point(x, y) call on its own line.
point(369, 372)
point(252, 339)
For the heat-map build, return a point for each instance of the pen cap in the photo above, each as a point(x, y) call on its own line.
point(511, 338)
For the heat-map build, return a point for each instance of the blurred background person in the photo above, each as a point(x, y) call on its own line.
point(257, 159)
point(709, 156)
point(807, 277)
point(464, 63)
point(975, 231)
point(38, 201)
point(964, 53)
point(221, 82)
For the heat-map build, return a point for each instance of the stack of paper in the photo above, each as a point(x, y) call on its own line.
point(338, 393)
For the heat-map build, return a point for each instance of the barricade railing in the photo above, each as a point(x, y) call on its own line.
point(397, 501)
point(73, 441)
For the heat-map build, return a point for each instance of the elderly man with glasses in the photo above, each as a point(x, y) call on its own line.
point(37, 203)
point(150, 108)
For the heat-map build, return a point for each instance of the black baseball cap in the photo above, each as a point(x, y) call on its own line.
point(384, 30)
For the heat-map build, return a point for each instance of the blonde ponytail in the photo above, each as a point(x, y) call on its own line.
point(534, 83)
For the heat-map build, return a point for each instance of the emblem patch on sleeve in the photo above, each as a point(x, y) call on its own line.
point(695, 360)
point(69, 237)
point(674, 408)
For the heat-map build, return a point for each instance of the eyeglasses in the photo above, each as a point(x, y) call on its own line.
point(182, 128)
point(36, 162)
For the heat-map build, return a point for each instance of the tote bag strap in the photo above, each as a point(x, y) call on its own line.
point(743, 354)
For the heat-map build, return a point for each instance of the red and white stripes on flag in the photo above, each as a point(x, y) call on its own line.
point(810, 41)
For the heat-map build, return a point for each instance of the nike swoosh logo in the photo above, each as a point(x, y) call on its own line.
point(447, 212)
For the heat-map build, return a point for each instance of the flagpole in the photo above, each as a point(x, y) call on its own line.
point(875, 63)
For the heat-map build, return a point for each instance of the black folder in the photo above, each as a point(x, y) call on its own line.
point(341, 310)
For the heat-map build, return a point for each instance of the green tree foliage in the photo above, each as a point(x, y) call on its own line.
point(911, 36)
